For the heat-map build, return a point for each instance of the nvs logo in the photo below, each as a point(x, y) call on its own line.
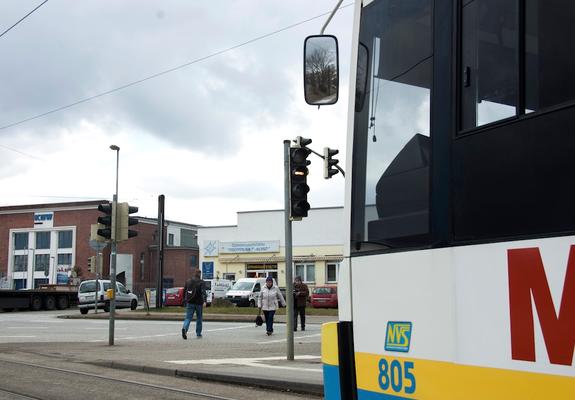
point(398, 336)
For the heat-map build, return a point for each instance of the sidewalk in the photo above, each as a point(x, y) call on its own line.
point(232, 354)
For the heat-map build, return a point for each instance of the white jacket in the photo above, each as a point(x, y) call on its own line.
point(268, 298)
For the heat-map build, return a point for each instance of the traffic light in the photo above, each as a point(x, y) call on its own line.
point(298, 179)
point(108, 221)
point(125, 221)
point(92, 264)
point(329, 163)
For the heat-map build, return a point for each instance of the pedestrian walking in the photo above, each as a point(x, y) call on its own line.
point(268, 301)
point(196, 296)
point(300, 294)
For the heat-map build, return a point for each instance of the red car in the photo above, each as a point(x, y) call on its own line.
point(174, 296)
point(324, 296)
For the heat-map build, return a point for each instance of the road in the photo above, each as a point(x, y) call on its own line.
point(82, 345)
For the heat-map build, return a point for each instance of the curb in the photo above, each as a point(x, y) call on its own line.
point(242, 380)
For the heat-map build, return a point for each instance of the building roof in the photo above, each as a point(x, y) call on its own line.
point(51, 206)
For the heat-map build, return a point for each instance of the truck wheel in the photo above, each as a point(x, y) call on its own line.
point(252, 303)
point(62, 303)
point(50, 303)
point(83, 311)
point(134, 305)
point(107, 307)
point(36, 303)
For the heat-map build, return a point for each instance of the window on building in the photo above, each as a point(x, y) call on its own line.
point(65, 239)
point(193, 261)
point(42, 240)
point(65, 259)
point(188, 238)
point(42, 262)
point(332, 272)
point(170, 239)
point(229, 277)
point(306, 272)
point(20, 263)
point(20, 240)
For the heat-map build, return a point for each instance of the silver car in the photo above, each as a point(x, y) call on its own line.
point(87, 296)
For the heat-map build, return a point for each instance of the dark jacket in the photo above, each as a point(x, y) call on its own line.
point(195, 291)
point(300, 294)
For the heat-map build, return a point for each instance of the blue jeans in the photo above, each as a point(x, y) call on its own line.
point(269, 320)
point(190, 310)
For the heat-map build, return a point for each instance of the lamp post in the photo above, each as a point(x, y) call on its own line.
point(113, 262)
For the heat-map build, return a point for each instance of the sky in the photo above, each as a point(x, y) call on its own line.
point(209, 135)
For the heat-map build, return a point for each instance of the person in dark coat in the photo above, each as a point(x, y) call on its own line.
point(300, 294)
point(196, 296)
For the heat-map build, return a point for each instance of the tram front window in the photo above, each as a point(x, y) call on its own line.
point(392, 124)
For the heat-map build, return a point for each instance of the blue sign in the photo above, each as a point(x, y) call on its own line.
point(398, 336)
point(207, 269)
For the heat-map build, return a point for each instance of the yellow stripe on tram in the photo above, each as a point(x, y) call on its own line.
point(409, 378)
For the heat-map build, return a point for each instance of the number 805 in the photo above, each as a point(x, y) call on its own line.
point(395, 374)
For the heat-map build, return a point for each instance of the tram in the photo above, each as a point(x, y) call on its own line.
point(459, 274)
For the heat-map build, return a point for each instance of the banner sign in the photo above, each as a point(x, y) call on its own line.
point(250, 247)
point(208, 270)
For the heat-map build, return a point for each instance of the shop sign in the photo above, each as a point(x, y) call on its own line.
point(250, 247)
point(44, 220)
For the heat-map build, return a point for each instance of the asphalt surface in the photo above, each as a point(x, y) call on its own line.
point(233, 351)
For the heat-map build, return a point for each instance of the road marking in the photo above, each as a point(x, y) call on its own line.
point(227, 329)
point(27, 327)
point(20, 336)
point(252, 362)
point(284, 340)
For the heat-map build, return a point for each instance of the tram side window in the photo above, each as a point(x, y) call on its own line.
point(489, 61)
point(392, 123)
point(550, 53)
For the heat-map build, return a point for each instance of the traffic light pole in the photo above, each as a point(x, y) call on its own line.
point(113, 280)
point(288, 254)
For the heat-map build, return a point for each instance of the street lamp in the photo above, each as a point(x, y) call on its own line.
point(113, 263)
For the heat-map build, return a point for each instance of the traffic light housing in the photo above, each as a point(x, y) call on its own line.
point(125, 221)
point(299, 188)
point(329, 163)
point(92, 264)
point(107, 221)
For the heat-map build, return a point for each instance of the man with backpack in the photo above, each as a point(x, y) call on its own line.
point(196, 296)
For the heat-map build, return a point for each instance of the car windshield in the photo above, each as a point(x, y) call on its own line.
point(86, 287)
point(243, 286)
point(323, 290)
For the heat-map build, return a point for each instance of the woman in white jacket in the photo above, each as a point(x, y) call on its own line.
point(268, 302)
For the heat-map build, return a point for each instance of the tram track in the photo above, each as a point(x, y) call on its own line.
point(195, 394)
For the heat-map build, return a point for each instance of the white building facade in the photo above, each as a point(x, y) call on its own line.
point(255, 247)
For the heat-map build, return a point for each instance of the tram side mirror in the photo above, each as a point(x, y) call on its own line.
point(321, 70)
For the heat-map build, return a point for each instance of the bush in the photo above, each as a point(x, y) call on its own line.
point(222, 302)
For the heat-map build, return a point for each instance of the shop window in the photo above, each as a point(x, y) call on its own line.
point(229, 277)
point(20, 240)
point(332, 272)
point(306, 272)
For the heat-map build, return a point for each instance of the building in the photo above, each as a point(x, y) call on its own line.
point(50, 243)
point(255, 247)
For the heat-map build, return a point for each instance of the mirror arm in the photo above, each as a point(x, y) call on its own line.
point(330, 16)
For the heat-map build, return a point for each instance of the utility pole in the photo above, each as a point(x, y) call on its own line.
point(288, 253)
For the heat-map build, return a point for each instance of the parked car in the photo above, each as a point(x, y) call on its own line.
point(87, 296)
point(174, 297)
point(324, 296)
point(245, 291)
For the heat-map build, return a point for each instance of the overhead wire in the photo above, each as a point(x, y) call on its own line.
point(167, 71)
point(23, 18)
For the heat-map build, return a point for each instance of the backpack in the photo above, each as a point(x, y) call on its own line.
point(194, 292)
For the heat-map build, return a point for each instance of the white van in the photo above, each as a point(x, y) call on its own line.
point(219, 288)
point(245, 291)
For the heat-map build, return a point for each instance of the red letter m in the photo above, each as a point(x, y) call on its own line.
point(527, 280)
